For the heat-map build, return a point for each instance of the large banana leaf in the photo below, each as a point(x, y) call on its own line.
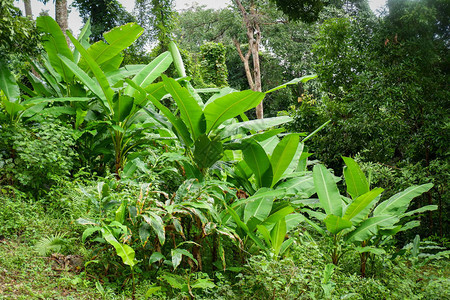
point(122, 106)
point(118, 38)
point(8, 84)
point(399, 203)
point(303, 184)
point(180, 128)
point(207, 151)
point(256, 158)
point(150, 72)
point(98, 73)
point(90, 83)
point(55, 44)
point(360, 207)
point(191, 113)
point(293, 81)
point(157, 225)
point(283, 155)
point(230, 106)
point(336, 224)
point(255, 125)
point(355, 179)
point(83, 38)
point(49, 78)
point(326, 189)
point(277, 235)
point(259, 208)
point(370, 227)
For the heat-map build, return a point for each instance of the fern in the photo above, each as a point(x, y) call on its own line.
point(51, 244)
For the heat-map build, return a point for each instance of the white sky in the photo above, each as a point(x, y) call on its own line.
point(75, 21)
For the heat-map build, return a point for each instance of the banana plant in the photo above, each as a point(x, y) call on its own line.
point(359, 220)
point(203, 128)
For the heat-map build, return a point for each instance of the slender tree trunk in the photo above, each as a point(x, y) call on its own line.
point(254, 40)
point(61, 16)
point(28, 11)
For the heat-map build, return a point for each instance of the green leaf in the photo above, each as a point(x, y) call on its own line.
point(293, 81)
point(373, 250)
point(153, 289)
point(399, 203)
point(207, 152)
point(122, 211)
point(298, 185)
point(327, 190)
point(336, 224)
point(369, 227)
point(420, 210)
point(88, 232)
point(361, 204)
point(157, 224)
point(256, 158)
point(180, 128)
point(278, 215)
point(354, 178)
point(122, 106)
point(254, 125)
point(265, 233)
point(277, 235)
point(124, 251)
point(98, 73)
point(118, 38)
point(55, 45)
point(177, 255)
point(150, 72)
point(83, 38)
point(8, 84)
point(90, 83)
point(203, 284)
point(230, 106)
point(283, 155)
point(156, 256)
point(259, 208)
point(191, 113)
point(244, 227)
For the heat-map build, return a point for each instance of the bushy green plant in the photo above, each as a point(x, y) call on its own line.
point(37, 156)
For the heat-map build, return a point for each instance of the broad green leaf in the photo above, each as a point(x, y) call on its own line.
point(326, 189)
point(121, 212)
point(177, 255)
point(293, 220)
point(399, 203)
point(370, 227)
point(122, 106)
point(49, 78)
point(180, 128)
point(361, 204)
point(259, 208)
point(293, 81)
point(244, 227)
point(89, 231)
point(83, 38)
point(121, 74)
point(336, 224)
point(207, 152)
point(257, 160)
point(157, 224)
point(124, 251)
point(90, 83)
point(354, 178)
point(153, 289)
point(203, 283)
point(191, 113)
point(95, 68)
point(277, 235)
point(255, 125)
point(230, 106)
point(265, 233)
point(303, 184)
point(118, 39)
point(50, 100)
point(12, 108)
point(283, 155)
point(156, 256)
point(150, 72)
point(278, 215)
point(55, 45)
point(420, 210)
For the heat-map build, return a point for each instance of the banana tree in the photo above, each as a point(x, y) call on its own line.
point(359, 220)
point(204, 128)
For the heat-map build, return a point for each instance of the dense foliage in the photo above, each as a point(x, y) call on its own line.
point(144, 174)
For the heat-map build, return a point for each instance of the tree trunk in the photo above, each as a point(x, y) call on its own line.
point(254, 40)
point(61, 16)
point(28, 11)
